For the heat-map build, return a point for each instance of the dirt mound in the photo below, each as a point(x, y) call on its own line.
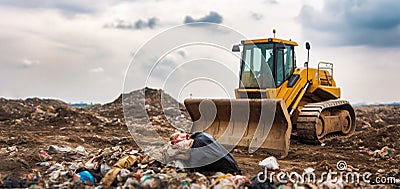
point(15, 109)
point(42, 112)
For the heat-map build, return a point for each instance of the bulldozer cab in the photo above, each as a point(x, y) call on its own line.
point(266, 63)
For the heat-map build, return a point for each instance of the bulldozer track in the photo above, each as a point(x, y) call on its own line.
point(308, 120)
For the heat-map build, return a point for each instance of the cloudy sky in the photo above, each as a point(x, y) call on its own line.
point(80, 51)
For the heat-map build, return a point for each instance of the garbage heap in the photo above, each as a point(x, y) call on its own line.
point(65, 167)
point(47, 143)
point(127, 167)
point(152, 105)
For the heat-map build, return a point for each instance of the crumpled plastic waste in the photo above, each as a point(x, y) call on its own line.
point(239, 180)
point(222, 181)
point(271, 163)
point(39, 110)
point(44, 156)
point(308, 170)
point(111, 175)
point(53, 149)
point(54, 175)
point(86, 177)
point(384, 153)
point(81, 150)
point(104, 168)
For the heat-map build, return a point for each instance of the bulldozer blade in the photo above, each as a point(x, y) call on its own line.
point(253, 123)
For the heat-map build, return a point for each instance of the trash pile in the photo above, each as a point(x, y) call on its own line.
point(47, 143)
point(163, 111)
point(66, 167)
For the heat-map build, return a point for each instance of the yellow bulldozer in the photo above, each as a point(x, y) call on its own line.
point(275, 100)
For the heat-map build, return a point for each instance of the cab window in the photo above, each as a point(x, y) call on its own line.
point(256, 66)
point(279, 79)
point(284, 65)
point(289, 64)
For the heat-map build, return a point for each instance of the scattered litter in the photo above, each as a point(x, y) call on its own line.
point(98, 156)
point(270, 163)
point(309, 170)
point(384, 153)
point(104, 168)
point(381, 170)
point(45, 163)
point(350, 168)
point(123, 163)
point(39, 110)
point(44, 156)
point(86, 177)
point(80, 149)
point(53, 149)
point(133, 152)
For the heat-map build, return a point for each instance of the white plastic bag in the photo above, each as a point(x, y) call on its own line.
point(270, 163)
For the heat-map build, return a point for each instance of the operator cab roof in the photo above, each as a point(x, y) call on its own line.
point(270, 40)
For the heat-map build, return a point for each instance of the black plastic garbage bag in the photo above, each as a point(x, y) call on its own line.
point(207, 155)
point(12, 182)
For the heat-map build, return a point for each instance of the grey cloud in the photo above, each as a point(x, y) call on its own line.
point(256, 16)
point(64, 6)
point(212, 17)
point(152, 22)
point(353, 22)
point(139, 24)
